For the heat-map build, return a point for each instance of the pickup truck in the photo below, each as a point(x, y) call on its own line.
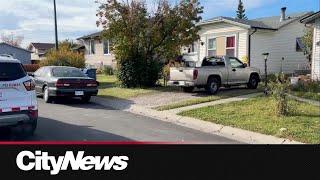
point(214, 73)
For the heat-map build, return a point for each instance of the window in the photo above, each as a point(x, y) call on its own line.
point(212, 47)
point(213, 61)
point(230, 48)
point(11, 71)
point(236, 63)
point(192, 48)
point(299, 45)
point(92, 47)
point(67, 72)
point(106, 47)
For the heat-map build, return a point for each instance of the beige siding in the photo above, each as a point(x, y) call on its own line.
point(281, 43)
point(316, 52)
point(99, 58)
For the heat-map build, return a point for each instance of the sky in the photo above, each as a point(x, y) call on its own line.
point(33, 19)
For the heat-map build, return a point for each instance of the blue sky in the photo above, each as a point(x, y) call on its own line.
point(34, 18)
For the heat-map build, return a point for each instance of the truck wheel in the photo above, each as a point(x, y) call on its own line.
point(188, 89)
point(253, 82)
point(46, 95)
point(213, 85)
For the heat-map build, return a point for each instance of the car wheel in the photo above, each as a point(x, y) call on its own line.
point(188, 89)
point(46, 95)
point(253, 82)
point(86, 99)
point(213, 85)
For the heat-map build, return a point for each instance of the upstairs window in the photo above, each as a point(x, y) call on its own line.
point(212, 47)
point(230, 48)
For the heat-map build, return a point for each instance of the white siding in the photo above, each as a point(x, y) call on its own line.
point(281, 43)
point(316, 52)
point(218, 30)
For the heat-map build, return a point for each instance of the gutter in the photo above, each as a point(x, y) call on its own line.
point(249, 53)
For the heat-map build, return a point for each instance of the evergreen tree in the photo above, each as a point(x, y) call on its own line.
point(241, 11)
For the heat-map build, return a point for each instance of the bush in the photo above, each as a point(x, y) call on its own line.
point(279, 89)
point(31, 67)
point(108, 70)
point(64, 57)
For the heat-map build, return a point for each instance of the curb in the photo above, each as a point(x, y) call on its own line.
point(243, 136)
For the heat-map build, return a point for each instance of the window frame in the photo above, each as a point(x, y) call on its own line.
point(214, 48)
point(103, 42)
point(230, 48)
point(92, 49)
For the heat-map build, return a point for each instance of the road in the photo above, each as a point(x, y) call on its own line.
point(71, 120)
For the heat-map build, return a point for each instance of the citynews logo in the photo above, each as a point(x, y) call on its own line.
point(41, 161)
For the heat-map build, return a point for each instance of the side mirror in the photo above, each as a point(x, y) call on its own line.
point(245, 65)
point(31, 74)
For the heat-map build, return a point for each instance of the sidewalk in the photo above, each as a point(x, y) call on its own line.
point(237, 134)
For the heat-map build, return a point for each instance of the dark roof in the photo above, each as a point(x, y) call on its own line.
point(90, 36)
point(43, 46)
point(4, 43)
point(272, 23)
point(311, 17)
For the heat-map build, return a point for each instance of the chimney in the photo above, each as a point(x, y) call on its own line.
point(283, 14)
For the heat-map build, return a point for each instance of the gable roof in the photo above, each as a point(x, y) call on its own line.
point(43, 46)
point(4, 43)
point(270, 23)
point(310, 18)
point(90, 36)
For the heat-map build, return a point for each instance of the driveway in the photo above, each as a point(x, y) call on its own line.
point(70, 120)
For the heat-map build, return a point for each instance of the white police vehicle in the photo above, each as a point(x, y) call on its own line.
point(18, 102)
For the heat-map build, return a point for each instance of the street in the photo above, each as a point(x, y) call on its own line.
point(71, 120)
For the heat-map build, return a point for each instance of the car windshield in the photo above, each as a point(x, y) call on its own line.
point(11, 71)
point(67, 72)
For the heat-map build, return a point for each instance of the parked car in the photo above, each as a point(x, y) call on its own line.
point(62, 81)
point(213, 73)
point(18, 101)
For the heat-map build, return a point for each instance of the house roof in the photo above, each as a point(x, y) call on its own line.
point(4, 43)
point(90, 36)
point(271, 23)
point(311, 18)
point(43, 46)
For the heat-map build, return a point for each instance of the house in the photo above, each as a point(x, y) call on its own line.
point(19, 53)
point(248, 39)
point(97, 50)
point(39, 50)
point(314, 19)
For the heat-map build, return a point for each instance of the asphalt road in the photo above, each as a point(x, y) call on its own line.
point(71, 120)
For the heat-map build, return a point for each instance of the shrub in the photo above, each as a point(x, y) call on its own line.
point(64, 57)
point(279, 89)
point(31, 67)
point(108, 70)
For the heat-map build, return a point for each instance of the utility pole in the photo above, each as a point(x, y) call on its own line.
point(55, 25)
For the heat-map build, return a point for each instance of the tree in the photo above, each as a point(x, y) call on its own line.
point(64, 57)
point(142, 40)
point(241, 11)
point(307, 41)
point(12, 39)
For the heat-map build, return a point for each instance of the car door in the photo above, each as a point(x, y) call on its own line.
point(238, 73)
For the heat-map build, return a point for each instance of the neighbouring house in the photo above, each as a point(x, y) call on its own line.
point(97, 50)
point(248, 39)
point(314, 19)
point(19, 53)
point(39, 50)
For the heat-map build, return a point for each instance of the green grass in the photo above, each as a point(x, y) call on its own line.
point(110, 88)
point(307, 95)
point(258, 114)
point(221, 95)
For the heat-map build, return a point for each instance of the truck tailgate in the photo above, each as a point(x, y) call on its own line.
point(181, 74)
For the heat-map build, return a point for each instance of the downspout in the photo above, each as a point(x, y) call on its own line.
point(249, 52)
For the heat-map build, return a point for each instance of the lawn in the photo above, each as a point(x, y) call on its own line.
point(110, 88)
point(226, 93)
point(258, 114)
point(307, 95)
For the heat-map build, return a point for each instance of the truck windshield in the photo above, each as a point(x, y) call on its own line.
point(213, 61)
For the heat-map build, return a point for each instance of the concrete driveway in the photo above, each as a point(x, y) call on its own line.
point(71, 120)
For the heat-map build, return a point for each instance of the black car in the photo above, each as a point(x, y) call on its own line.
point(62, 81)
